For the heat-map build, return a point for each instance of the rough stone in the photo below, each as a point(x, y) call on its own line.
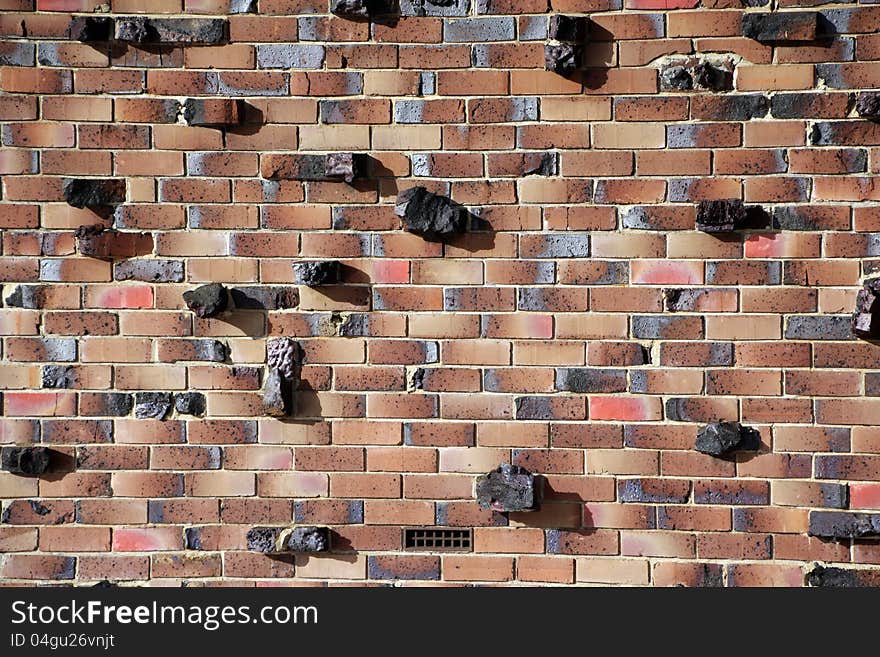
point(190, 403)
point(155, 405)
point(868, 105)
point(562, 58)
point(865, 317)
point(720, 216)
point(430, 215)
point(568, 28)
point(834, 577)
point(28, 461)
point(59, 376)
point(509, 488)
point(714, 78)
point(140, 29)
point(677, 78)
point(307, 539)
point(842, 524)
point(722, 438)
point(93, 192)
point(90, 28)
point(782, 26)
point(284, 354)
point(213, 112)
point(323, 168)
point(316, 272)
point(153, 271)
point(207, 300)
point(362, 9)
point(211, 350)
point(133, 29)
point(276, 394)
point(31, 297)
point(263, 539)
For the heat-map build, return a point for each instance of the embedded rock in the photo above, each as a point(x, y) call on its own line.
point(343, 165)
point(263, 539)
point(676, 78)
point(780, 26)
point(864, 323)
point(722, 438)
point(276, 394)
point(842, 524)
point(331, 167)
point(155, 405)
point(314, 273)
point(430, 215)
point(207, 300)
point(720, 216)
point(140, 29)
point(568, 28)
point(562, 58)
point(685, 74)
point(362, 9)
point(834, 577)
point(307, 539)
point(509, 488)
point(212, 112)
point(90, 28)
point(59, 376)
point(190, 403)
point(93, 192)
point(868, 104)
point(133, 29)
point(284, 354)
point(28, 461)
point(714, 78)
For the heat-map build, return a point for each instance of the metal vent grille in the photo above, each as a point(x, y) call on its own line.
point(437, 539)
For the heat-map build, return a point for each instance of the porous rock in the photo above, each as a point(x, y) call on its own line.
point(722, 438)
point(868, 104)
point(190, 403)
point(275, 394)
point(430, 215)
point(207, 300)
point(362, 9)
point(59, 376)
point(28, 461)
point(284, 354)
point(844, 525)
point(562, 58)
point(90, 28)
point(307, 539)
point(780, 26)
point(263, 539)
point(316, 272)
point(143, 30)
point(719, 216)
point(154, 405)
point(509, 488)
point(677, 78)
point(93, 192)
point(865, 320)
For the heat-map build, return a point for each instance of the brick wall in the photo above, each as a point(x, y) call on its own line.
point(582, 328)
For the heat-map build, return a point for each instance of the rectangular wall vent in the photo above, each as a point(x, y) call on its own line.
point(437, 539)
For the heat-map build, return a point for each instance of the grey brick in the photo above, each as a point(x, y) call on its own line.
point(565, 245)
point(683, 135)
point(428, 8)
point(289, 55)
point(469, 30)
point(584, 379)
point(22, 54)
point(651, 327)
point(154, 271)
point(427, 83)
point(819, 327)
point(408, 111)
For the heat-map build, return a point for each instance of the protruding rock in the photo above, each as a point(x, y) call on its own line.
point(90, 28)
point(133, 29)
point(868, 104)
point(343, 165)
point(864, 323)
point(140, 29)
point(568, 28)
point(28, 461)
point(562, 58)
point(304, 166)
point(769, 27)
point(676, 78)
point(190, 403)
point(93, 192)
point(834, 577)
point(27, 296)
point(430, 215)
point(276, 395)
point(722, 438)
point(714, 78)
point(284, 354)
point(263, 539)
point(843, 524)
point(212, 112)
point(154, 405)
point(509, 488)
point(363, 9)
point(721, 216)
point(687, 73)
point(307, 539)
point(316, 272)
point(207, 300)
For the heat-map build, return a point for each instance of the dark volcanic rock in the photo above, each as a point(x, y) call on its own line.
point(316, 272)
point(677, 78)
point(263, 539)
point(93, 192)
point(134, 29)
point(140, 29)
point(90, 28)
point(562, 58)
point(780, 26)
point(568, 28)
point(308, 539)
point(868, 104)
point(156, 405)
point(721, 216)
point(29, 461)
point(509, 488)
point(833, 577)
point(207, 300)
point(430, 215)
point(284, 354)
point(346, 166)
point(866, 318)
point(842, 524)
point(363, 9)
point(59, 376)
point(722, 438)
point(276, 394)
point(190, 403)
point(707, 76)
